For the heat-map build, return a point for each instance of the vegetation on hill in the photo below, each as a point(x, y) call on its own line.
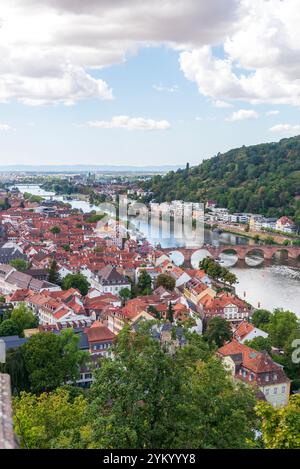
point(257, 179)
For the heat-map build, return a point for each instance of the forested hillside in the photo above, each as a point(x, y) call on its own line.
point(258, 179)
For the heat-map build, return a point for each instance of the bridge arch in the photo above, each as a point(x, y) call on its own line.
point(176, 257)
point(198, 256)
point(229, 256)
point(258, 256)
point(282, 253)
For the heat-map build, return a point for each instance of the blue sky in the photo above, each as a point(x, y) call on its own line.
point(187, 124)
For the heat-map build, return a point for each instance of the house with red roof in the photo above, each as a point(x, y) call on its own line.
point(285, 224)
point(195, 291)
point(117, 318)
point(256, 369)
point(100, 339)
point(225, 305)
point(246, 331)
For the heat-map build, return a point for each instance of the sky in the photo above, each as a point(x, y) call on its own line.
point(145, 82)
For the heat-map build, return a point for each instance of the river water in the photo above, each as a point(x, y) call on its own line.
point(273, 286)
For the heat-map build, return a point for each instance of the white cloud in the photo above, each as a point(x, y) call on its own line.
point(49, 48)
point(289, 128)
point(272, 113)
point(261, 56)
point(242, 114)
point(221, 104)
point(170, 89)
point(5, 127)
point(131, 123)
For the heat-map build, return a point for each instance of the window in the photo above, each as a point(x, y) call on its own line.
point(283, 389)
point(275, 376)
point(267, 377)
point(267, 391)
point(275, 390)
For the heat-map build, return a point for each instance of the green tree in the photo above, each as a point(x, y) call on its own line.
point(73, 357)
point(144, 283)
point(8, 327)
point(153, 310)
point(20, 264)
point(280, 427)
point(55, 230)
point(50, 420)
point(53, 273)
point(125, 294)
point(260, 343)
point(282, 324)
point(24, 318)
point(229, 277)
point(43, 357)
point(146, 398)
point(212, 403)
point(166, 281)
point(133, 398)
point(261, 318)
point(76, 281)
point(15, 367)
point(218, 331)
point(170, 312)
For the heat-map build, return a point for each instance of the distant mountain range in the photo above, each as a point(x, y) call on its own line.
point(83, 168)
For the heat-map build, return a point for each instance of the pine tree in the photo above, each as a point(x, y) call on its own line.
point(53, 273)
point(170, 313)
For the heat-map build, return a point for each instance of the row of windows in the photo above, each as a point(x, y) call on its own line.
point(101, 346)
point(275, 390)
point(267, 378)
point(234, 316)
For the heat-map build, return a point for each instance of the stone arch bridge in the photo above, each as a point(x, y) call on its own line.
point(242, 251)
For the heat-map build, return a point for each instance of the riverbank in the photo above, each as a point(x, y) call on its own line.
point(253, 235)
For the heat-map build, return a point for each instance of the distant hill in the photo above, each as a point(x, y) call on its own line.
point(83, 168)
point(257, 179)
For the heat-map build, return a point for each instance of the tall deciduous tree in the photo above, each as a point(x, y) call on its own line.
point(76, 281)
point(24, 318)
point(53, 273)
point(280, 427)
point(261, 318)
point(145, 398)
point(52, 359)
point(20, 264)
point(50, 420)
point(144, 283)
point(282, 324)
point(218, 331)
point(166, 281)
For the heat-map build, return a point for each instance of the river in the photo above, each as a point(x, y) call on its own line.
point(273, 286)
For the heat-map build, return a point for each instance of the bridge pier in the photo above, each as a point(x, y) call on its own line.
point(241, 262)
